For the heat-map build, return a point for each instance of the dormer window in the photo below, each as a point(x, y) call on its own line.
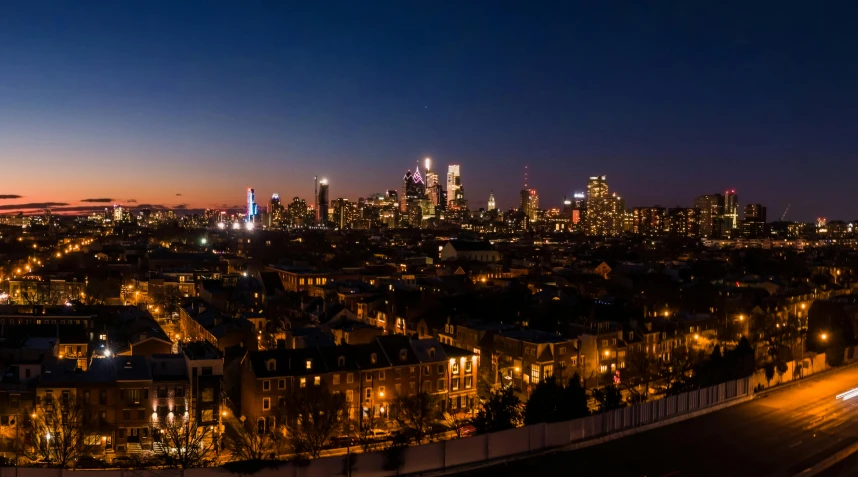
point(403, 355)
point(631, 335)
point(272, 365)
point(431, 352)
point(341, 361)
point(309, 364)
point(373, 358)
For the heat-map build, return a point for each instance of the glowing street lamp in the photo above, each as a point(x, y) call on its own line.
point(824, 336)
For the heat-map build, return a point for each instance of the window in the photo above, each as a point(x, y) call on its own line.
point(207, 371)
point(397, 374)
point(534, 374)
point(368, 377)
point(368, 394)
point(281, 384)
point(266, 385)
point(180, 391)
point(603, 368)
point(604, 342)
point(349, 395)
point(302, 382)
point(547, 370)
point(427, 370)
point(455, 367)
point(469, 366)
point(397, 389)
point(336, 379)
point(309, 364)
point(381, 391)
point(317, 380)
point(440, 369)
point(373, 358)
point(441, 385)
point(350, 378)
point(431, 352)
point(266, 404)
point(102, 396)
point(562, 350)
point(412, 387)
point(381, 375)
point(207, 415)
point(208, 395)
point(469, 382)
point(454, 384)
point(403, 355)
point(341, 361)
point(272, 365)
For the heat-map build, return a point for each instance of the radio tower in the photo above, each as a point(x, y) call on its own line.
point(316, 197)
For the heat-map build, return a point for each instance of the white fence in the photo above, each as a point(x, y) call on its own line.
point(474, 450)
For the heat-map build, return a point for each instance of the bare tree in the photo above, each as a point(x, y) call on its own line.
point(183, 443)
point(641, 370)
point(313, 416)
point(62, 432)
point(251, 445)
point(416, 413)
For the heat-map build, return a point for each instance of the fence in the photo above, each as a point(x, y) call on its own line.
point(475, 450)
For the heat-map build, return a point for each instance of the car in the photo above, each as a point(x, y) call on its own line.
point(124, 461)
point(342, 441)
point(379, 434)
point(467, 430)
point(87, 462)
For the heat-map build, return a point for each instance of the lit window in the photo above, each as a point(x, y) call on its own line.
point(266, 404)
point(317, 380)
point(534, 373)
point(309, 364)
point(303, 382)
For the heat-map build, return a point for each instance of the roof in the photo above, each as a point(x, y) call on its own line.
point(132, 368)
point(168, 367)
point(533, 336)
point(468, 246)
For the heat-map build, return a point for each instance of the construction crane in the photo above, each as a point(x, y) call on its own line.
point(785, 212)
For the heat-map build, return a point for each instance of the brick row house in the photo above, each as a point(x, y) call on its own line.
point(371, 376)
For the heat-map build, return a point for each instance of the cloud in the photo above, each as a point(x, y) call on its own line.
point(178, 195)
point(98, 201)
point(180, 206)
point(32, 205)
point(152, 206)
point(131, 201)
point(10, 196)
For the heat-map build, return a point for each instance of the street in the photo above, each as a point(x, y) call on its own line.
point(778, 434)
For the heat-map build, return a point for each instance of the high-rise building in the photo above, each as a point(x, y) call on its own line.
point(491, 204)
point(117, 213)
point(275, 210)
point(431, 175)
point(711, 215)
point(454, 183)
point(604, 211)
point(683, 222)
point(649, 220)
point(754, 223)
point(252, 209)
point(731, 210)
point(323, 201)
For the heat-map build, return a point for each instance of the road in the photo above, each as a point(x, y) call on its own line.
point(778, 434)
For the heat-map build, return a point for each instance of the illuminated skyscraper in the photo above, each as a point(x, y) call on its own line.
point(252, 209)
point(431, 175)
point(323, 202)
point(492, 205)
point(683, 222)
point(711, 215)
point(604, 212)
point(454, 183)
point(731, 210)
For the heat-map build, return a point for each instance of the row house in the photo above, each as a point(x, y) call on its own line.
point(371, 376)
point(522, 358)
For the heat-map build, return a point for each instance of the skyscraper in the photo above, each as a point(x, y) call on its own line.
point(754, 223)
point(649, 220)
point(251, 205)
point(431, 175)
point(711, 215)
point(731, 210)
point(323, 202)
point(454, 182)
point(603, 212)
point(683, 222)
point(491, 204)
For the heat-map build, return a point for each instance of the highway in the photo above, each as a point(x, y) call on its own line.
point(780, 433)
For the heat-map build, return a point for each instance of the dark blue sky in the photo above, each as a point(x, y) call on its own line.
point(149, 100)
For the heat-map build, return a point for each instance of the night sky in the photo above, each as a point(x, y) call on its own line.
point(181, 103)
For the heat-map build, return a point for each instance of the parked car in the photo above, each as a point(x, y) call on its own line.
point(379, 434)
point(342, 441)
point(124, 461)
point(467, 430)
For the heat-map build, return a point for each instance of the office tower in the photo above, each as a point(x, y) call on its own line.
point(322, 203)
point(117, 213)
point(491, 204)
point(683, 222)
point(604, 211)
point(252, 209)
point(731, 210)
point(454, 182)
point(711, 215)
point(431, 175)
point(754, 223)
point(341, 213)
point(275, 210)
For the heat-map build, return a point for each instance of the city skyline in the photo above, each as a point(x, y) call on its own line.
point(135, 104)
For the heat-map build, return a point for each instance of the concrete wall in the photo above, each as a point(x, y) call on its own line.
point(811, 364)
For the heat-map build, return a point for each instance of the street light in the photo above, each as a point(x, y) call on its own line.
point(824, 336)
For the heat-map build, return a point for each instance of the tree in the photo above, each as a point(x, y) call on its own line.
point(500, 412)
point(769, 369)
point(678, 372)
point(576, 399)
point(251, 445)
point(608, 398)
point(546, 403)
point(781, 368)
point(641, 369)
point(457, 422)
point(313, 416)
point(184, 443)
point(62, 432)
point(96, 292)
point(416, 413)
point(168, 298)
